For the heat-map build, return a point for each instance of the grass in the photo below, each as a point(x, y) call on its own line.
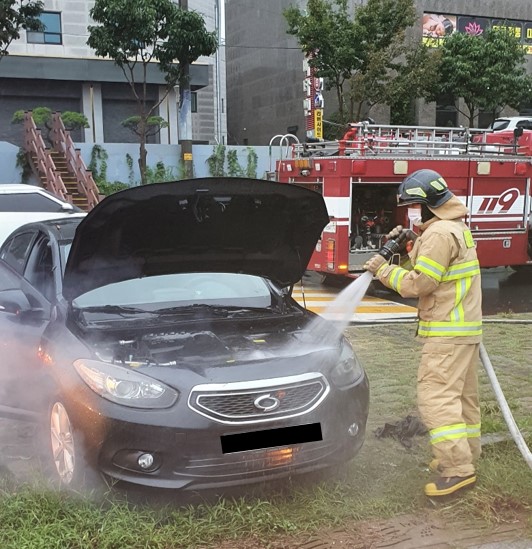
point(384, 480)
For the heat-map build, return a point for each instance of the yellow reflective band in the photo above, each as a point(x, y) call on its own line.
point(449, 329)
point(462, 270)
point(396, 277)
point(462, 286)
point(443, 428)
point(473, 431)
point(468, 238)
point(448, 432)
point(416, 191)
point(436, 183)
point(430, 267)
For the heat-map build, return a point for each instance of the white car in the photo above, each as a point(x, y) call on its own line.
point(21, 204)
point(510, 123)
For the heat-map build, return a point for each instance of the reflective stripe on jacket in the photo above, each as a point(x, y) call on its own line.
point(446, 279)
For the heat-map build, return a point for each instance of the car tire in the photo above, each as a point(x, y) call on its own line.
point(67, 462)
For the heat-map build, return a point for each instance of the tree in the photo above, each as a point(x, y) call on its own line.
point(365, 57)
point(152, 125)
point(16, 15)
point(329, 39)
point(42, 116)
point(136, 33)
point(394, 76)
point(486, 70)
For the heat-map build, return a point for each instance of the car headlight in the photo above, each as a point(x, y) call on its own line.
point(125, 386)
point(348, 370)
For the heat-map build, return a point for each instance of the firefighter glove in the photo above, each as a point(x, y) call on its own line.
point(374, 264)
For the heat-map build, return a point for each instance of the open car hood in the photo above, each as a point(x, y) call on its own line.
point(199, 225)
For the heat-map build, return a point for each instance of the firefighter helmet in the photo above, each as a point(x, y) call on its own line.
point(424, 187)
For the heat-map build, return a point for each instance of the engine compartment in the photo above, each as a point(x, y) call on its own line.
point(172, 348)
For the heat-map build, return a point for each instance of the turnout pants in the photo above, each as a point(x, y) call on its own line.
point(447, 392)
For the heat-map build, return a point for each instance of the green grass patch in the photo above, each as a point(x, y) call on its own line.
point(384, 480)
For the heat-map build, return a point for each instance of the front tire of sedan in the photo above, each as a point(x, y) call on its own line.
point(68, 465)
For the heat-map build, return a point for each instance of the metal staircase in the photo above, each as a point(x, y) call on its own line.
point(60, 169)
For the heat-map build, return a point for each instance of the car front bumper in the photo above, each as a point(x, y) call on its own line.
point(187, 450)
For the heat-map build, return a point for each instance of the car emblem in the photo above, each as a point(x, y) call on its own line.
point(267, 403)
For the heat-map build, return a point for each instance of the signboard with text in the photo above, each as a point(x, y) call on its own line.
point(437, 25)
point(318, 123)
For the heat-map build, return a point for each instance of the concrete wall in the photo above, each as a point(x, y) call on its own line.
point(8, 158)
point(264, 73)
point(118, 169)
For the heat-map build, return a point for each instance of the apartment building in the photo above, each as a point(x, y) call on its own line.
point(56, 69)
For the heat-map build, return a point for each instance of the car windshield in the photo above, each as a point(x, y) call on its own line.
point(168, 292)
point(499, 124)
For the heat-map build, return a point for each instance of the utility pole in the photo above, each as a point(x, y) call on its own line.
point(185, 114)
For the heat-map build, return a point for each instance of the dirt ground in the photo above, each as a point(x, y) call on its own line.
point(419, 531)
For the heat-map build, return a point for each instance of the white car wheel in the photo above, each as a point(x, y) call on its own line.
point(62, 444)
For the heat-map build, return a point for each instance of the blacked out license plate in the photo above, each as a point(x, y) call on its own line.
point(284, 436)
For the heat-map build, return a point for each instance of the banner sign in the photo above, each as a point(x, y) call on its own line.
point(318, 123)
point(436, 26)
point(313, 103)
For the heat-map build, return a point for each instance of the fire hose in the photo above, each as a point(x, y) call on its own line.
point(506, 412)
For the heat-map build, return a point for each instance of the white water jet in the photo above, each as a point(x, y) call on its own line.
point(342, 308)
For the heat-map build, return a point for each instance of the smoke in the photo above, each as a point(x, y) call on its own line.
point(25, 440)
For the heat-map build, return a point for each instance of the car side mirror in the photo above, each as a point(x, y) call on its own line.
point(518, 132)
point(14, 302)
point(67, 207)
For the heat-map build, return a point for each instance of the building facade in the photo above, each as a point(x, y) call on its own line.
point(56, 69)
point(265, 67)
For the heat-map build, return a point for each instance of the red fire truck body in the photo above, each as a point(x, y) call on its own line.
point(358, 177)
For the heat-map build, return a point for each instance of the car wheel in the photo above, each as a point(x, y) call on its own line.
point(68, 465)
point(63, 445)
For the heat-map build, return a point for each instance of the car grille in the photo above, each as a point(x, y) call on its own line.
point(260, 401)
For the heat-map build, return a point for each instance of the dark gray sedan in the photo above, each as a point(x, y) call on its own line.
point(157, 341)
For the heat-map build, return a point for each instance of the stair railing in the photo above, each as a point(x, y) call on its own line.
point(62, 142)
point(34, 145)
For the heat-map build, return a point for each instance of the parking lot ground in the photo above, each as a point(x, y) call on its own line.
point(370, 308)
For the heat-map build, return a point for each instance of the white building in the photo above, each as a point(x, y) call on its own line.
point(57, 69)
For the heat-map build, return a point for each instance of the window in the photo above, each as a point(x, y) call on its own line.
point(16, 251)
point(39, 269)
point(29, 202)
point(525, 124)
point(446, 112)
point(194, 102)
point(52, 29)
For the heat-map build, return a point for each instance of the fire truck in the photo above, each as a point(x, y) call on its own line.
point(359, 174)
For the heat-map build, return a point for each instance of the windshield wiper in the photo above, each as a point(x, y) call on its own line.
point(215, 310)
point(114, 309)
point(186, 309)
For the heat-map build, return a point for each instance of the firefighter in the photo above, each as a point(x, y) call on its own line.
point(446, 279)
